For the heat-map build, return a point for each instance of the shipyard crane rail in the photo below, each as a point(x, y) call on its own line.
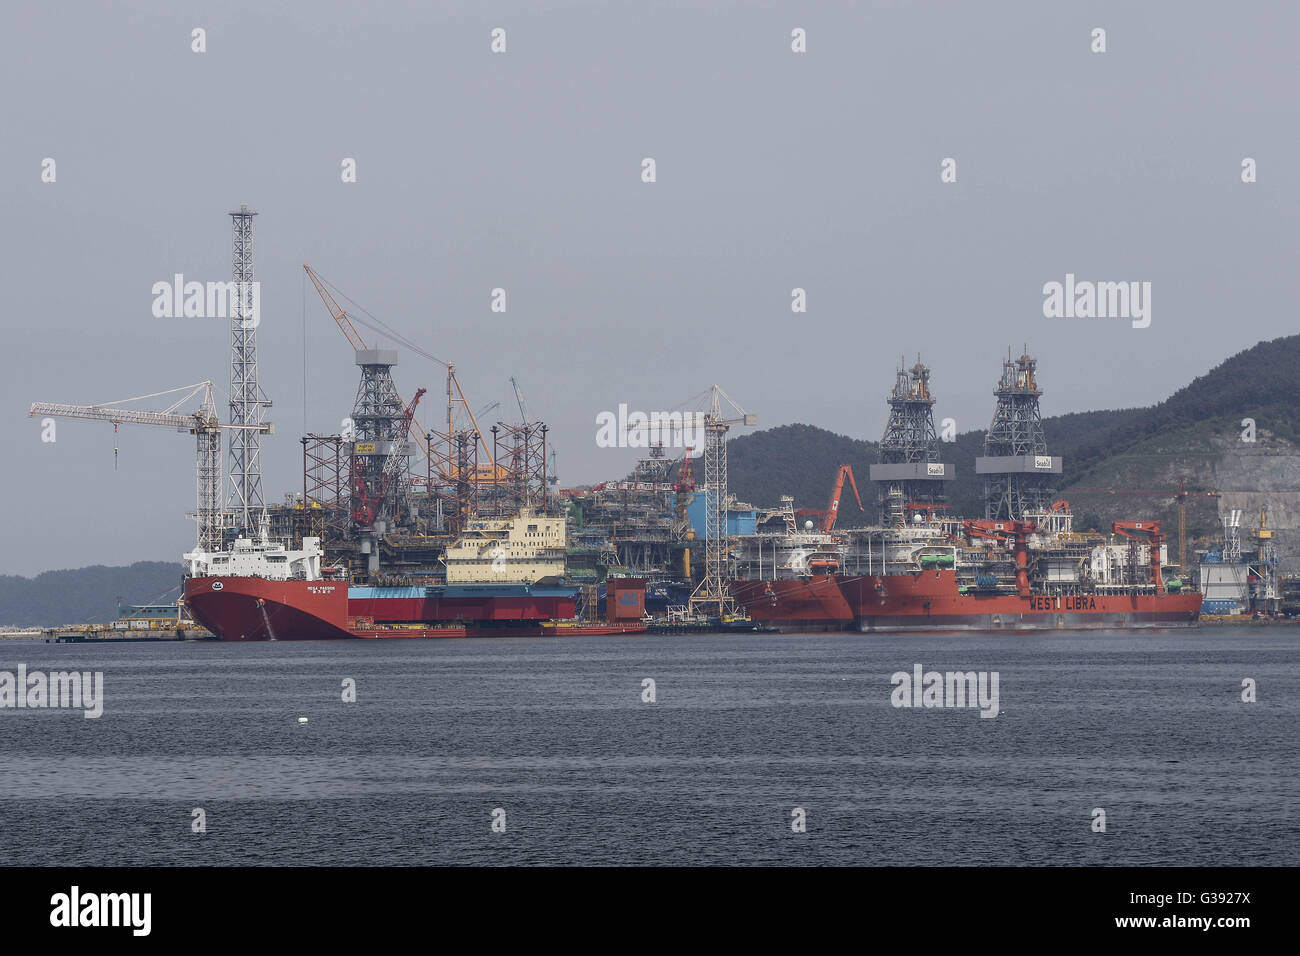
point(203, 424)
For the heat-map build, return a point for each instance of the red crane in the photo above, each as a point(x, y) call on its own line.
point(1015, 531)
point(1180, 496)
point(1131, 530)
point(685, 473)
point(833, 508)
point(826, 517)
point(368, 505)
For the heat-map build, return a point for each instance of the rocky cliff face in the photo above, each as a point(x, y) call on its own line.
point(1248, 476)
point(1264, 475)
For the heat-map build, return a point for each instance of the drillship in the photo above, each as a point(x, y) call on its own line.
point(1021, 567)
point(503, 576)
point(1017, 575)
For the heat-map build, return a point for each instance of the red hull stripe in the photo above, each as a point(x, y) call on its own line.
point(930, 599)
point(255, 609)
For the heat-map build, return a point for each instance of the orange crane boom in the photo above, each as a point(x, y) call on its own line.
point(355, 340)
point(833, 508)
point(336, 310)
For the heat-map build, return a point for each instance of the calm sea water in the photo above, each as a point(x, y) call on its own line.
point(1148, 726)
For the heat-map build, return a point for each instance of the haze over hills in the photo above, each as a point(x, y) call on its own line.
point(85, 595)
point(1195, 434)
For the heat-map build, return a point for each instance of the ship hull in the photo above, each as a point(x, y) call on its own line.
point(814, 603)
point(931, 601)
point(256, 609)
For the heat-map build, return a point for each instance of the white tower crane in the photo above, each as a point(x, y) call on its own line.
point(203, 424)
point(713, 594)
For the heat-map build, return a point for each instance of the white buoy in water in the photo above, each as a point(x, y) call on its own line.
point(302, 720)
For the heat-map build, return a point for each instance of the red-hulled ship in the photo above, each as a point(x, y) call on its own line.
point(261, 590)
point(1034, 574)
point(1025, 570)
point(245, 608)
point(933, 600)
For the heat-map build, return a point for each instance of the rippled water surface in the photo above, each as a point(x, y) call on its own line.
point(1148, 726)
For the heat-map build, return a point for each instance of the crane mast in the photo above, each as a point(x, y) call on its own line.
point(713, 594)
point(247, 400)
point(203, 424)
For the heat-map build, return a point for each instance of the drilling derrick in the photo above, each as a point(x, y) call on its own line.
point(246, 396)
point(910, 475)
point(380, 421)
point(1018, 472)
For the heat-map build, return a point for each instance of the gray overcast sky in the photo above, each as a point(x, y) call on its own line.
point(522, 170)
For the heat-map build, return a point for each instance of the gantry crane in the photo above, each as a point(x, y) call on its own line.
point(203, 424)
point(1016, 531)
point(1180, 496)
point(1151, 529)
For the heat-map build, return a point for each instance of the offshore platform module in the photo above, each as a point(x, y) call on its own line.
point(372, 548)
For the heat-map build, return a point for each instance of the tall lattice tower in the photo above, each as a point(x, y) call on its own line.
point(713, 594)
point(1019, 473)
point(247, 400)
point(910, 472)
point(209, 513)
